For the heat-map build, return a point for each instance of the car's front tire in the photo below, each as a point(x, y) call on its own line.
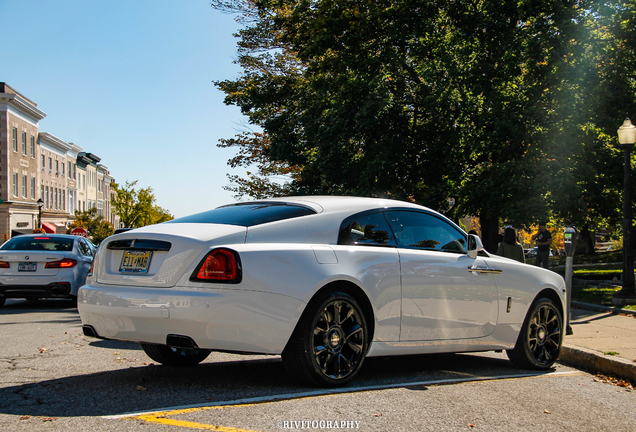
point(329, 343)
point(541, 337)
point(171, 356)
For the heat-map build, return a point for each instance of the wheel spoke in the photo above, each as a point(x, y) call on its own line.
point(336, 314)
point(319, 349)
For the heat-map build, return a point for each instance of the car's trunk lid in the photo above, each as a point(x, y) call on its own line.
point(158, 255)
point(30, 263)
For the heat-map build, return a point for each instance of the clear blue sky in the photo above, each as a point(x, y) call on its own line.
point(131, 81)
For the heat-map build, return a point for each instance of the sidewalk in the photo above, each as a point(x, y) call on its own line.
point(604, 341)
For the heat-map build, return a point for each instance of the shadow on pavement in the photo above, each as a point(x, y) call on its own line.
point(152, 387)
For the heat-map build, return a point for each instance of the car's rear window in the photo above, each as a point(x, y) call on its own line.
point(248, 214)
point(38, 243)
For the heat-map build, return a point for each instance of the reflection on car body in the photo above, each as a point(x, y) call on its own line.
point(323, 281)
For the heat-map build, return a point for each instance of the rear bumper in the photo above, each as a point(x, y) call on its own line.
point(217, 319)
point(52, 290)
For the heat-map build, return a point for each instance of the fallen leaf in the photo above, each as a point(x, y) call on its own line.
point(546, 411)
point(471, 425)
point(116, 354)
point(26, 417)
point(140, 388)
point(43, 349)
point(45, 419)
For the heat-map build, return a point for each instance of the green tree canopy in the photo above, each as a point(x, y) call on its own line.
point(136, 207)
point(98, 229)
point(509, 108)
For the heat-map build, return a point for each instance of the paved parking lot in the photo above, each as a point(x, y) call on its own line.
point(54, 378)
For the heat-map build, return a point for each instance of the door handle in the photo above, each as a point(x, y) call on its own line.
point(483, 269)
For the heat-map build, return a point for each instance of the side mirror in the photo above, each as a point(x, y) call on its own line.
point(474, 245)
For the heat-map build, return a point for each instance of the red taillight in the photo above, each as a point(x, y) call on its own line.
point(63, 263)
point(220, 265)
point(4, 264)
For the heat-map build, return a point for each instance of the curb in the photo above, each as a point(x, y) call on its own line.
point(595, 361)
point(599, 308)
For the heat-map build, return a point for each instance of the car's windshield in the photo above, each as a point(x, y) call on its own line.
point(248, 214)
point(38, 243)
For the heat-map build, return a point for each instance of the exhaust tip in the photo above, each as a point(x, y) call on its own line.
point(179, 341)
point(90, 331)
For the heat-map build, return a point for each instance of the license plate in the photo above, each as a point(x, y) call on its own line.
point(30, 267)
point(135, 262)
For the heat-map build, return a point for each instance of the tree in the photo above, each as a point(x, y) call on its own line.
point(98, 229)
point(136, 208)
point(501, 107)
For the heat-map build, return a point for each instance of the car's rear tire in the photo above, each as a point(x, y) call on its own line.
point(329, 343)
point(2, 300)
point(541, 337)
point(171, 356)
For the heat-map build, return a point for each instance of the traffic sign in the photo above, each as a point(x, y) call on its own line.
point(79, 231)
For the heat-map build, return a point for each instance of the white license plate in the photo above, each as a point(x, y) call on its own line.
point(135, 262)
point(27, 267)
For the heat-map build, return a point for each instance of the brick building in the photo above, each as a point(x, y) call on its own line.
point(40, 169)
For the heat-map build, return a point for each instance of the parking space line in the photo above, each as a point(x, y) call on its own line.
point(163, 416)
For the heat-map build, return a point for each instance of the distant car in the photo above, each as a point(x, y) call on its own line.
point(36, 266)
point(324, 281)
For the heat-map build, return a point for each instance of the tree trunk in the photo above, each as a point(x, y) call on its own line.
point(489, 232)
point(586, 237)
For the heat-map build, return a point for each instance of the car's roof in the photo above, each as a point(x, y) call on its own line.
point(329, 204)
point(46, 235)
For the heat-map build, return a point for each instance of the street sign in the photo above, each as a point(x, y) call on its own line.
point(79, 231)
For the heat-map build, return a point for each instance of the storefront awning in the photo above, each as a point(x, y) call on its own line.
point(49, 228)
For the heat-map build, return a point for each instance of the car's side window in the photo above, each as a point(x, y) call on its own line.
point(425, 231)
point(84, 248)
point(369, 230)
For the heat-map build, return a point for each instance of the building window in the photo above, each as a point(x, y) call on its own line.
point(24, 143)
point(43, 163)
point(46, 197)
point(32, 187)
point(50, 165)
point(63, 165)
point(32, 146)
point(24, 186)
point(55, 199)
point(15, 139)
point(57, 167)
point(15, 184)
point(74, 172)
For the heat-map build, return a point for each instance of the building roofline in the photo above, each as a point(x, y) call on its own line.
point(23, 105)
point(52, 139)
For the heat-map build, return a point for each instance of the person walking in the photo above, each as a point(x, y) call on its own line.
point(543, 240)
point(509, 247)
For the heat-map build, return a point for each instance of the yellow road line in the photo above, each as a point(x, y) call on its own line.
point(163, 417)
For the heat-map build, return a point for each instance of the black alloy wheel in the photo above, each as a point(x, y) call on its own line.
point(171, 356)
point(541, 337)
point(330, 342)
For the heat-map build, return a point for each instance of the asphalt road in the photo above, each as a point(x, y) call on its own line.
point(53, 378)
